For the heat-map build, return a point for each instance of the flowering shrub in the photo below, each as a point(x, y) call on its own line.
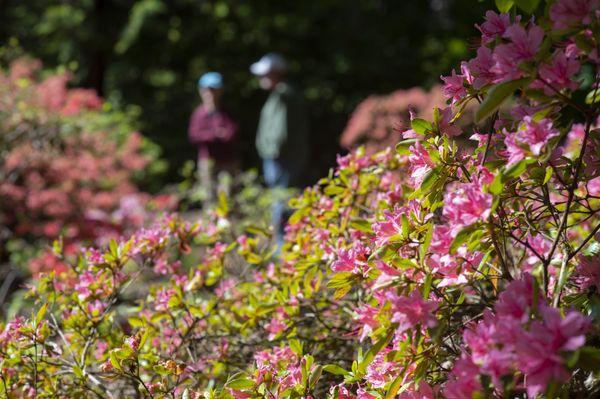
point(378, 121)
point(429, 270)
point(61, 172)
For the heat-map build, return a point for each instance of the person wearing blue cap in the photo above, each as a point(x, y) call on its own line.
point(213, 132)
point(282, 136)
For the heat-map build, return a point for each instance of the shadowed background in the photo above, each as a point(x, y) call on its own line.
point(148, 54)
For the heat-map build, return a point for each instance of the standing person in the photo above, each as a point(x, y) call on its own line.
point(282, 137)
point(213, 132)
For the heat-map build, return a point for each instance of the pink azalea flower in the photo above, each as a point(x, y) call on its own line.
point(343, 392)
point(445, 126)
point(276, 324)
point(366, 317)
point(292, 378)
point(420, 164)
point(494, 26)
point(82, 287)
point(593, 187)
point(526, 43)
point(567, 13)
point(464, 380)
point(96, 307)
point(421, 391)
point(225, 286)
point(531, 137)
point(454, 87)
point(558, 74)
point(361, 393)
point(539, 352)
point(380, 371)
point(12, 329)
point(523, 46)
point(409, 311)
point(482, 341)
point(514, 151)
point(388, 228)
point(465, 204)
point(588, 272)
point(536, 134)
point(237, 394)
point(541, 245)
point(352, 260)
point(101, 348)
point(480, 68)
point(133, 342)
point(516, 300)
point(161, 303)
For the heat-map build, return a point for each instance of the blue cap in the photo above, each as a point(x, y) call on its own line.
point(212, 80)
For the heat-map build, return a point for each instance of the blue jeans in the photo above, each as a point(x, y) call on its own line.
point(277, 175)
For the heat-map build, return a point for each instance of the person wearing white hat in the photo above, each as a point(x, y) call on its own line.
point(282, 136)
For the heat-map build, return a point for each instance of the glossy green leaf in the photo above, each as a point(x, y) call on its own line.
point(529, 6)
point(462, 237)
point(496, 96)
point(504, 5)
point(421, 126)
point(335, 369)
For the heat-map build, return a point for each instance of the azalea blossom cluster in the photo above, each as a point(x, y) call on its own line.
point(523, 336)
point(461, 263)
point(59, 174)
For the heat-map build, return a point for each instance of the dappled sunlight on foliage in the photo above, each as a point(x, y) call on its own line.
point(430, 269)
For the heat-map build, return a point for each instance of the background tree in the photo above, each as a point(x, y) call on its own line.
point(150, 52)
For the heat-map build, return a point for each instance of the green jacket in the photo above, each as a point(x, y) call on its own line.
point(283, 127)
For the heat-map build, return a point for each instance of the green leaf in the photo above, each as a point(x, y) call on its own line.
point(429, 179)
point(334, 190)
point(421, 126)
point(362, 225)
point(589, 359)
point(57, 247)
point(240, 383)
point(424, 247)
point(405, 226)
point(395, 387)
point(314, 376)
point(340, 280)
point(529, 6)
point(427, 285)
point(253, 259)
point(374, 350)
point(504, 5)
point(77, 371)
point(335, 369)
point(496, 96)
point(462, 237)
point(40, 314)
point(341, 292)
point(114, 360)
point(548, 174)
point(593, 97)
point(296, 346)
point(496, 186)
point(517, 169)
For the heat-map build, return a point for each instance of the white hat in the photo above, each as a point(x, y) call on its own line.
point(269, 63)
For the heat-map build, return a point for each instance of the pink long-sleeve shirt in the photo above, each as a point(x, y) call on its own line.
point(214, 133)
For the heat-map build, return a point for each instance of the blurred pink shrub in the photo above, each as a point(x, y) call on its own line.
point(59, 176)
point(379, 120)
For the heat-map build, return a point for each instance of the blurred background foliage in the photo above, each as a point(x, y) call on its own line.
point(148, 54)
